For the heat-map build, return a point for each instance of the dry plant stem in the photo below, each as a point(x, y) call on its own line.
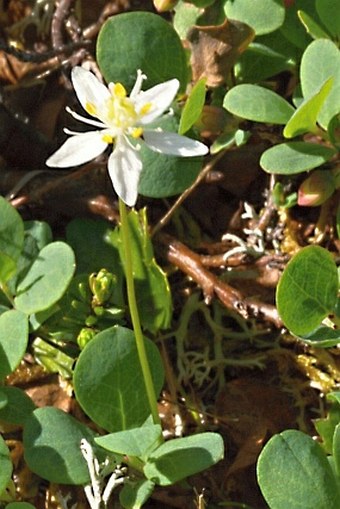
point(204, 172)
point(189, 262)
point(59, 16)
point(150, 390)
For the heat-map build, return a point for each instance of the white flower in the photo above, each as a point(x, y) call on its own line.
point(121, 118)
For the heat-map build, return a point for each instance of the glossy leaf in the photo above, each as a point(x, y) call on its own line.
point(47, 279)
point(155, 48)
point(151, 284)
point(181, 457)
point(165, 175)
point(263, 16)
point(193, 107)
point(5, 465)
point(19, 406)
point(108, 380)
point(133, 442)
point(13, 340)
point(52, 446)
point(323, 337)
point(313, 76)
point(295, 157)
point(293, 471)
point(258, 104)
point(307, 291)
point(305, 117)
point(329, 15)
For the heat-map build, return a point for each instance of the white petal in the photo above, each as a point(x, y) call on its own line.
point(138, 85)
point(174, 144)
point(78, 149)
point(88, 88)
point(160, 97)
point(124, 167)
point(86, 120)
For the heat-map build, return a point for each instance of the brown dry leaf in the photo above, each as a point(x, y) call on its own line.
point(215, 49)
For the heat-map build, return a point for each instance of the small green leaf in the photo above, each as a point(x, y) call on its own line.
point(295, 157)
point(321, 61)
point(5, 465)
point(186, 16)
point(258, 104)
point(155, 48)
point(134, 494)
point(52, 446)
point(193, 107)
point(263, 16)
point(313, 29)
point(305, 117)
point(329, 15)
point(322, 337)
point(19, 406)
point(47, 279)
point(181, 457)
point(293, 471)
point(326, 426)
point(108, 379)
point(13, 340)
point(307, 291)
point(133, 442)
point(11, 230)
point(336, 448)
point(40, 231)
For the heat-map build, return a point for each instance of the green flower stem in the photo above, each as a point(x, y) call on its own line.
point(150, 390)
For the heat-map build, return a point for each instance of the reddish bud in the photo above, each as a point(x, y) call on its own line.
point(316, 189)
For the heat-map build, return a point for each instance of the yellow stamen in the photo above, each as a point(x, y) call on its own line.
point(91, 109)
point(119, 90)
point(107, 138)
point(146, 108)
point(137, 132)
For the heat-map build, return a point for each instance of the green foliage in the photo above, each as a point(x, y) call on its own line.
point(18, 406)
point(293, 471)
point(165, 175)
point(5, 465)
point(108, 370)
point(152, 287)
point(155, 48)
point(193, 107)
point(52, 446)
point(262, 15)
point(13, 340)
point(307, 291)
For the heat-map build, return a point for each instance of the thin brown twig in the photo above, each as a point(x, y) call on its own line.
point(203, 173)
point(189, 262)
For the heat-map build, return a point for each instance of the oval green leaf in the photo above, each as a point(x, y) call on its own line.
point(312, 28)
point(295, 157)
point(140, 40)
point(133, 442)
point(47, 279)
point(108, 379)
point(19, 406)
point(5, 465)
point(293, 471)
point(13, 340)
point(263, 16)
point(179, 458)
point(19, 505)
point(164, 175)
point(313, 76)
point(52, 446)
point(305, 117)
point(258, 104)
point(307, 291)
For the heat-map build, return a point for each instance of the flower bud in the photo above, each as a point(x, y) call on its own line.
point(316, 189)
point(164, 5)
point(84, 337)
point(101, 285)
